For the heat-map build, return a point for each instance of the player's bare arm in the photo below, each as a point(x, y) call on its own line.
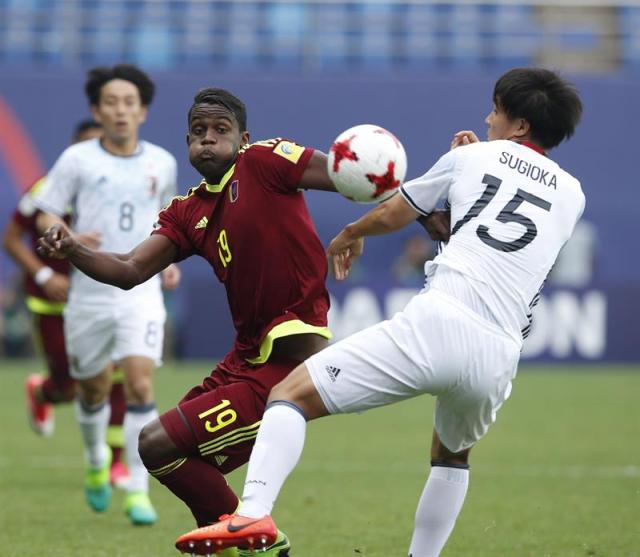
point(315, 176)
point(122, 270)
point(387, 217)
point(463, 137)
point(18, 250)
point(56, 286)
point(44, 221)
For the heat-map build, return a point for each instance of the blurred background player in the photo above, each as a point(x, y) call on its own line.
point(46, 283)
point(115, 185)
point(460, 338)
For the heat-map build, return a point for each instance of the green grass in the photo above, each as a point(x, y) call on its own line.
point(558, 476)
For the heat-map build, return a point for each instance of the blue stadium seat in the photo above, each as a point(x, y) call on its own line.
point(421, 45)
point(153, 46)
point(202, 33)
point(333, 44)
point(104, 32)
point(517, 37)
point(629, 25)
point(18, 35)
point(466, 23)
point(287, 26)
point(244, 45)
point(375, 35)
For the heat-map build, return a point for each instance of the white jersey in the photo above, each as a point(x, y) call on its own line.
point(512, 210)
point(117, 196)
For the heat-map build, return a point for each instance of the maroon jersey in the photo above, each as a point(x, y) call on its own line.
point(25, 216)
point(254, 229)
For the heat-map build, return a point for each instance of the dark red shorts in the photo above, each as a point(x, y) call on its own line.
point(219, 419)
point(50, 333)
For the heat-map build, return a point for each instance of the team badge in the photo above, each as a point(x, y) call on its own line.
point(233, 190)
point(289, 151)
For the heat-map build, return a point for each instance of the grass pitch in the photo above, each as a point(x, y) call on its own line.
point(557, 476)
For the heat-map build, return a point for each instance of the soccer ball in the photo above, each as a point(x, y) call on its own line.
point(367, 163)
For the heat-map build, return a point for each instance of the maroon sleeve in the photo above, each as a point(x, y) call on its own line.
point(281, 164)
point(171, 224)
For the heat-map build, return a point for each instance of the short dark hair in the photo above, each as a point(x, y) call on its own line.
point(83, 126)
point(550, 104)
point(213, 95)
point(97, 77)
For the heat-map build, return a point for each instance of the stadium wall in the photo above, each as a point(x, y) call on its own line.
point(585, 320)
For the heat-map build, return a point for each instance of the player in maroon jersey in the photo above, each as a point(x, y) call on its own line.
point(46, 284)
point(249, 220)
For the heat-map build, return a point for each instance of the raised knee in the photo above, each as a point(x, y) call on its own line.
point(155, 446)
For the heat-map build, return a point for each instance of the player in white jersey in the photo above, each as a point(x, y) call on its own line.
point(115, 186)
point(459, 339)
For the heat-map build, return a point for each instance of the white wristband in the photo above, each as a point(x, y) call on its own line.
point(43, 275)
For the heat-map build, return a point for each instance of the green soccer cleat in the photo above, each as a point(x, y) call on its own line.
point(138, 507)
point(280, 548)
point(97, 488)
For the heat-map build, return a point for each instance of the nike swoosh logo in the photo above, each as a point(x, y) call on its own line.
point(233, 528)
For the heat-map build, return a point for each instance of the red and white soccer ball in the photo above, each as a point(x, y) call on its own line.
point(367, 163)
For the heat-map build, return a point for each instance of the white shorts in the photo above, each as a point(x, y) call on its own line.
point(108, 334)
point(436, 345)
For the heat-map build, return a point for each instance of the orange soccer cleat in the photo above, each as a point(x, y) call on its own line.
point(40, 413)
point(232, 531)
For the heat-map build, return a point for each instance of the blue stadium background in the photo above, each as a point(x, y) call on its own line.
point(308, 70)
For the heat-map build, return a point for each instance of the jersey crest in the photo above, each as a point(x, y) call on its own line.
point(234, 189)
point(289, 151)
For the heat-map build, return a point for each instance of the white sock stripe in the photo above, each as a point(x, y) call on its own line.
point(289, 404)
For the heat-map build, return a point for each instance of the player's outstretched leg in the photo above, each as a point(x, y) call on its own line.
point(231, 531)
point(39, 411)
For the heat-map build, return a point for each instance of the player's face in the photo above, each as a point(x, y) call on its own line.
point(500, 127)
point(214, 139)
point(120, 110)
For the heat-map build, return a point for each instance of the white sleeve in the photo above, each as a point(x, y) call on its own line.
point(60, 186)
point(423, 193)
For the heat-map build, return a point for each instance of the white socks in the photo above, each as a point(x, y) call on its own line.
point(275, 454)
point(438, 509)
point(135, 418)
point(93, 421)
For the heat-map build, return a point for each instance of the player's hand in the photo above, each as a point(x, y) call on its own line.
point(344, 250)
point(91, 239)
point(437, 224)
point(57, 242)
point(170, 277)
point(57, 287)
point(464, 137)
